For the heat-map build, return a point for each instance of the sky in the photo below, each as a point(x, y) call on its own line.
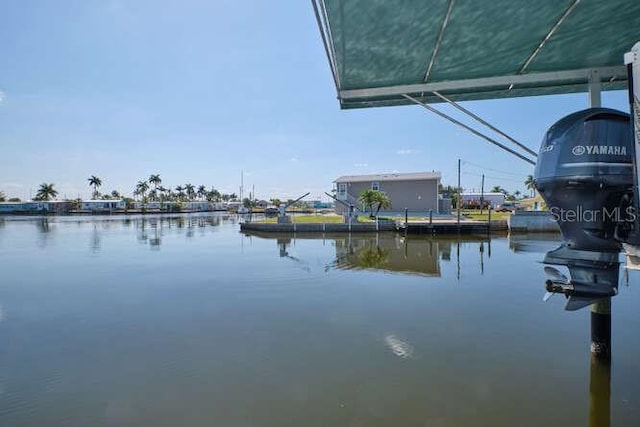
point(207, 92)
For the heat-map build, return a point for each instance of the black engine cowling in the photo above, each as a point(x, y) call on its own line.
point(584, 173)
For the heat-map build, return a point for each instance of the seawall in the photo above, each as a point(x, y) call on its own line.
point(532, 222)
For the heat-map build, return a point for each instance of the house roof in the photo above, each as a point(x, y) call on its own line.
point(381, 50)
point(417, 176)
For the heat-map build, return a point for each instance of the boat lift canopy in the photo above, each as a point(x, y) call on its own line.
point(396, 52)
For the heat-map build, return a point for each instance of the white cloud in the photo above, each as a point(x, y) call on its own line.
point(361, 165)
point(294, 159)
point(3, 96)
point(406, 151)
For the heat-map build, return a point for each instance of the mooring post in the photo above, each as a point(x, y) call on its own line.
point(601, 329)
point(406, 220)
point(430, 216)
point(600, 393)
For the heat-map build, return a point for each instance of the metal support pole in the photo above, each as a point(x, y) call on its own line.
point(632, 61)
point(482, 195)
point(594, 89)
point(601, 329)
point(601, 310)
point(470, 129)
point(459, 197)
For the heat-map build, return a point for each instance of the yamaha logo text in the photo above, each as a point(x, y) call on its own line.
point(614, 150)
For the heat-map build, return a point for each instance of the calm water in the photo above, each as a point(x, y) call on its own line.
point(184, 321)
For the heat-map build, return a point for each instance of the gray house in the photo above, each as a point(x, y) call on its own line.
point(417, 192)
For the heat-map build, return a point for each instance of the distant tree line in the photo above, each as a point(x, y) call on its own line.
point(148, 190)
point(452, 192)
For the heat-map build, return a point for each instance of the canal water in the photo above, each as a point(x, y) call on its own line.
point(185, 321)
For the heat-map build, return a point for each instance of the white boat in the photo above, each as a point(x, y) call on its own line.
point(242, 210)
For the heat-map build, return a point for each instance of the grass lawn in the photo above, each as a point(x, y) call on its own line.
point(366, 218)
point(332, 218)
point(477, 216)
point(317, 219)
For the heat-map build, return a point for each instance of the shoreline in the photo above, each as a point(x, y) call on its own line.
point(77, 212)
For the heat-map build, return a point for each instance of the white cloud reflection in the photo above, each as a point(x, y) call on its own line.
point(398, 347)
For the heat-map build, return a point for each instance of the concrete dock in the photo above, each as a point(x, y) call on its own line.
point(414, 227)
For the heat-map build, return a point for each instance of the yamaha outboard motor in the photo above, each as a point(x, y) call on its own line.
point(585, 175)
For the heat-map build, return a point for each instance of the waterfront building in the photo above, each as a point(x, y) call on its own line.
point(36, 207)
point(96, 206)
point(417, 192)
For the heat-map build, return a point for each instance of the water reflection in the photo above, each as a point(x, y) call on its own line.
point(199, 326)
point(399, 347)
point(95, 240)
point(150, 229)
point(397, 254)
point(536, 242)
point(420, 255)
point(44, 230)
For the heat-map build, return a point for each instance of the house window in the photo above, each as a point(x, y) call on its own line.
point(342, 191)
point(375, 186)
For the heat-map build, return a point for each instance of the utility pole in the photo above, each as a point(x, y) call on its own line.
point(482, 195)
point(459, 196)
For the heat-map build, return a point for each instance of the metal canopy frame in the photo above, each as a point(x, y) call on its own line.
point(361, 52)
point(550, 79)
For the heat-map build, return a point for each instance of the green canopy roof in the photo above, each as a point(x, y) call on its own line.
point(380, 50)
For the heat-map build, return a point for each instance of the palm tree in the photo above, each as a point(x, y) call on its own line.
point(2, 197)
point(530, 185)
point(180, 191)
point(202, 192)
point(95, 182)
point(46, 192)
point(382, 200)
point(213, 195)
point(191, 191)
point(156, 181)
point(368, 198)
point(163, 196)
point(141, 188)
point(115, 194)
